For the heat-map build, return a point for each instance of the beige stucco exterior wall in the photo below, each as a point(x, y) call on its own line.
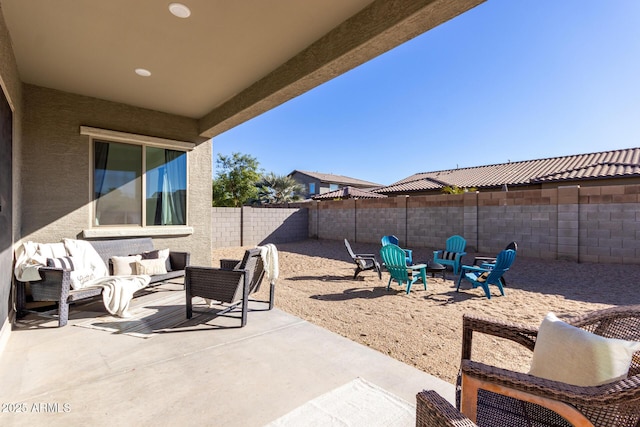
point(57, 166)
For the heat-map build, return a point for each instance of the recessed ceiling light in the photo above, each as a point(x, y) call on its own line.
point(143, 72)
point(179, 10)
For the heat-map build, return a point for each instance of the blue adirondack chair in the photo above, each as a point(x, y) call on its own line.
point(395, 260)
point(452, 255)
point(483, 277)
point(393, 240)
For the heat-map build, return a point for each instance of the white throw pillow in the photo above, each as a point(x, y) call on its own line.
point(151, 266)
point(125, 265)
point(572, 355)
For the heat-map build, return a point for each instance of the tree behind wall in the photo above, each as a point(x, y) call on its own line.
point(235, 181)
point(279, 189)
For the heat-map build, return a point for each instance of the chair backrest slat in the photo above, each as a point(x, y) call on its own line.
point(503, 263)
point(346, 243)
point(456, 244)
point(395, 261)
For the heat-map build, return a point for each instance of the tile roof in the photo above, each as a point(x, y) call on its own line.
point(348, 193)
point(606, 164)
point(338, 179)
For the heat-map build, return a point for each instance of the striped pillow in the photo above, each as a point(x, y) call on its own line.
point(65, 263)
point(449, 255)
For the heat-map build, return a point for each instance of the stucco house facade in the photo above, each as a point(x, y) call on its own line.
point(316, 183)
point(85, 140)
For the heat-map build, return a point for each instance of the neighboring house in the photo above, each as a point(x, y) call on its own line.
point(603, 168)
point(89, 141)
point(348, 192)
point(319, 183)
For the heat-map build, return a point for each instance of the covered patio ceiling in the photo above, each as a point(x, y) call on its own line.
point(228, 62)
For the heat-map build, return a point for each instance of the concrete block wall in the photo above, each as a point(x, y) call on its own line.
point(226, 227)
point(273, 225)
point(380, 217)
point(528, 217)
point(609, 224)
point(249, 226)
point(337, 220)
point(590, 224)
point(432, 219)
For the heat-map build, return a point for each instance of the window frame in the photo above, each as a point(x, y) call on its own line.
point(103, 135)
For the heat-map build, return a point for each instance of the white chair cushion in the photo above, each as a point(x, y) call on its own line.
point(572, 355)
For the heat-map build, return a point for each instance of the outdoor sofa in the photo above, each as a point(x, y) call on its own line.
point(56, 282)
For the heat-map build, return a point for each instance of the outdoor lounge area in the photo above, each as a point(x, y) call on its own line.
point(326, 330)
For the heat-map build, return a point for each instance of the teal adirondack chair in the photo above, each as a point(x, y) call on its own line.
point(452, 255)
point(483, 277)
point(394, 258)
point(393, 240)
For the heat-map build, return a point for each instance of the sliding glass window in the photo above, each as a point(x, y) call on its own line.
point(121, 171)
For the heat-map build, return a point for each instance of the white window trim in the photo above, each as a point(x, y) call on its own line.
point(115, 231)
point(136, 139)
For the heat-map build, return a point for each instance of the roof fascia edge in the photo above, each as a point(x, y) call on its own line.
point(379, 27)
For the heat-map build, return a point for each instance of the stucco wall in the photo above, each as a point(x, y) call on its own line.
point(57, 166)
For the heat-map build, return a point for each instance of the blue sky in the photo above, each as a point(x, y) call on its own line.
point(506, 81)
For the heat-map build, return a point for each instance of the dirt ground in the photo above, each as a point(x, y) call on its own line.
point(424, 328)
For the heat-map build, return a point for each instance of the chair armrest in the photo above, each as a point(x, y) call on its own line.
point(433, 410)
point(521, 334)
point(417, 266)
point(615, 393)
point(476, 268)
point(54, 286)
point(460, 255)
point(366, 255)
point(179, 260)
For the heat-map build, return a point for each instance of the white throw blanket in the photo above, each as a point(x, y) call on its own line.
point(117, 291)
point(30, 256)
point(91, 265)
point(91, 271)
point(269, 255)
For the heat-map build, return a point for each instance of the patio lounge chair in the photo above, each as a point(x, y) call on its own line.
point(363, 262)
point(395, 261)
point(393, 240)
point(230, 285)
point(453, 253)
point(483, 276)
point(492, 396)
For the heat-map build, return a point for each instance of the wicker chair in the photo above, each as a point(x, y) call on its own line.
point(491, 396)
point(231, 284)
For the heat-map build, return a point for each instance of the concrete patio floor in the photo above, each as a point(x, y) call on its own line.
point(207, 373)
